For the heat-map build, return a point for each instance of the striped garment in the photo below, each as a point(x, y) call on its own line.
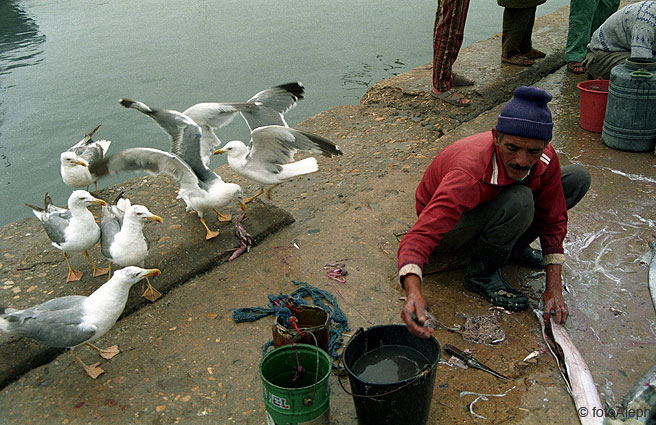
point(631, 28)
point(447, 39)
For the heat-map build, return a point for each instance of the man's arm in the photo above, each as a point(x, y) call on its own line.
point(415, 303)
point(553, 295)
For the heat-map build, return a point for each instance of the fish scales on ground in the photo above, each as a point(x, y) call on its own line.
point(73, 229)
point(75, 161)
point(68, 322)
point(122, 239)
point(200, 188)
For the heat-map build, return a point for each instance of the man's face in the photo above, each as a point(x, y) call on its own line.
point(518, 154)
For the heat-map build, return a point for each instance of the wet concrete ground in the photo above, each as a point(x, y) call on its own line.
point(184, 360)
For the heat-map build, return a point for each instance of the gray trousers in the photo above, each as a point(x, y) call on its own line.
point(517, 31)
point(598, 63)
point(508, 219)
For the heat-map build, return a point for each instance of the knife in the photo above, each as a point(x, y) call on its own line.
point(471, 362)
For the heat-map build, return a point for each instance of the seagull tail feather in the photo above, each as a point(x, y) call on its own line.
point(298, 168)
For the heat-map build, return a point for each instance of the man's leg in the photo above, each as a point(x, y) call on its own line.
point(487, 234)
point(447, 38)
point(576, 182)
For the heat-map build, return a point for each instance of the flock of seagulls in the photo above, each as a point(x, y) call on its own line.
point(268, 159)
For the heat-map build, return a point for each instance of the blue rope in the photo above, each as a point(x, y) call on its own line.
point(277, 305)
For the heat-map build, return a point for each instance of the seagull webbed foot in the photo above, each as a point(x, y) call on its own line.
point(73, 276)
point(223, 218)
point(210, 234)
point(106, 353)
point(97, 271)
point(151, 294)
point(94, 370)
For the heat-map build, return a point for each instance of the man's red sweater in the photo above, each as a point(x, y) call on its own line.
point(468, 173)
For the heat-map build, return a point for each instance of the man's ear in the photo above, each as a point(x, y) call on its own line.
point(495, 136)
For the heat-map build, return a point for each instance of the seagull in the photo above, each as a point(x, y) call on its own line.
point(73, 229)
point(200, 188)
point(74, 162)
point(268, 159)
point(266, 107)
point(122, 240)
point(67, 322)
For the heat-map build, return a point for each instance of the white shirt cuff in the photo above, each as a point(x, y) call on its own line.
point(553, 259)
point(410, 269)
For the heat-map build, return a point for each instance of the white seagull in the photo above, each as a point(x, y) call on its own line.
point(268, 159)
point(266, 107)
point(73, 229)
point(74, 162)
point(122, 239)
point(201, 188)
point(67, 322)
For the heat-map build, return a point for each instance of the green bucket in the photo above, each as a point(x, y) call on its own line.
point(306, 400)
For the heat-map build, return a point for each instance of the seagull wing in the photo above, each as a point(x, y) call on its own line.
point(148, 160)
point(276, 145)
point(109, 228)
point(56, 323)
point(273, 103)
point(172, 122)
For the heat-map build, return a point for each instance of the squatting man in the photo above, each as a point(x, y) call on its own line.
point(491, 195)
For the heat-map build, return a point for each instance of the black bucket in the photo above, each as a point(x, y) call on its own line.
point(404, 402)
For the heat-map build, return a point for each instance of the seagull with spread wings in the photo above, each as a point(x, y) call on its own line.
point(200, 188)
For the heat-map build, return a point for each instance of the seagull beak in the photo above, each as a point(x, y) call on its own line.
point(242, 205)
point(155, 218)
point(81, 163)
point(219, 151)
point(152, 272)
point(97, 201)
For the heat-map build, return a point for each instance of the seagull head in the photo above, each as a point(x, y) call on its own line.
point(133, 274)
point(69, 159)
point(82, 198)
point(142, 213)
point(232, 149)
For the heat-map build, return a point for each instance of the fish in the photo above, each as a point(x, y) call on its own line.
point(574, 370)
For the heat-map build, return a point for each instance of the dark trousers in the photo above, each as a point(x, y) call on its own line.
point(507, 219)
point(517, 31)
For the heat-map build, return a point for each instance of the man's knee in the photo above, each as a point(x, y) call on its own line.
point(518, 208)
point(576, 182)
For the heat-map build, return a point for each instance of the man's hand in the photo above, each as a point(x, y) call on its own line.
point(415, 304)
point(553, 295)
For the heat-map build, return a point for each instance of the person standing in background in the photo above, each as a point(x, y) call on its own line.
point(518, 20)
point(585, 16)
point(447, 38)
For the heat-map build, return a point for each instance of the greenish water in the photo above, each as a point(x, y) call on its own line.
point(65, 63)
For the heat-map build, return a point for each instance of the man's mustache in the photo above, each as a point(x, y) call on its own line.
point(518, 167)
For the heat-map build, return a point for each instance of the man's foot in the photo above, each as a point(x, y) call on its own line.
point(575, 67)
point(496, 290)
point(519, 60)
point(461, 81)
point(452, 97)
point(535, 54)
point(527, 256)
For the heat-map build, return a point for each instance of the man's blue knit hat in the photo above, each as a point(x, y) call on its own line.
point(527, 114)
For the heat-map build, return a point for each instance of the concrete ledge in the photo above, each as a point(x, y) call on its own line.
point(495, 82)
point(32, 271)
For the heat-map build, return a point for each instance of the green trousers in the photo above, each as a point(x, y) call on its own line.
point(585, 16)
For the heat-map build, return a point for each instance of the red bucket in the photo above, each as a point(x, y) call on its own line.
point(593, 96)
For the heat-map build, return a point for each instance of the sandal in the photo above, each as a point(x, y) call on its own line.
point(461, 80)
point(451, 96)
point(535, 54)
point(519, 60)
point(575, 67)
